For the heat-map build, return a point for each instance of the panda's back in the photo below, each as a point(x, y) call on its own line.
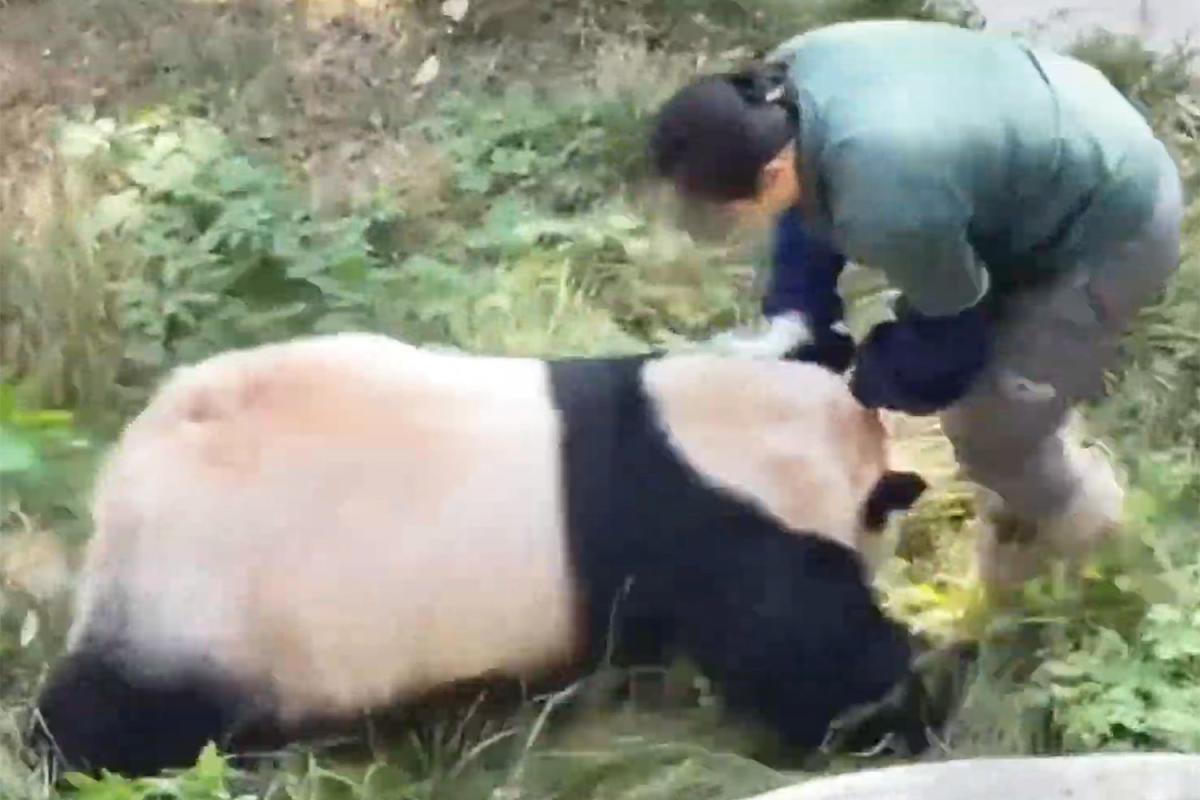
point(218, 505)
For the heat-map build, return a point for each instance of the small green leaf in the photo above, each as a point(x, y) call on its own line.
point(17, 453)
point(43, 418)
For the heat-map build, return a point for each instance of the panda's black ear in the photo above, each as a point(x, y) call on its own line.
point(894, 491)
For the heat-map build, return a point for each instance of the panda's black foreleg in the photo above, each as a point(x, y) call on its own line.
point(788, 628)
point(99, 711)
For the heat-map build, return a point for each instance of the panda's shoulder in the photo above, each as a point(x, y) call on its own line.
point(760, 389)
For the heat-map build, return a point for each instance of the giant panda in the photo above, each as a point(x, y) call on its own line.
point(338, 523)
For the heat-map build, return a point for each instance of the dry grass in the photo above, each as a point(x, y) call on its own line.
point(305, 86)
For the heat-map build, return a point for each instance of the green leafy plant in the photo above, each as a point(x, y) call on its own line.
point(1112, 690)
point(209, 779)
point(44, 460)
point(231, 254)
point(569, 153)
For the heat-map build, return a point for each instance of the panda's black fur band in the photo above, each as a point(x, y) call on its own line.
point(784, 622)
point(164, 720)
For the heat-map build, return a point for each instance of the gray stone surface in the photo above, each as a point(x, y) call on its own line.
point(1138, 776)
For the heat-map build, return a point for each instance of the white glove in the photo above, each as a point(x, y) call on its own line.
point(784, 333)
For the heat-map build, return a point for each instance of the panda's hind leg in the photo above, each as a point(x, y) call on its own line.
point(789, 630)
point(101, 711)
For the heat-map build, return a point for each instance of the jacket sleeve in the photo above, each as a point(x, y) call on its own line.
point(804, 274)
point(895, 208)
point(922, 365)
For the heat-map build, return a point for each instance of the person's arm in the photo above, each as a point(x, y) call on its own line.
point(896, 209)
point(896, 205)
point(803, 291)
point(804, 274)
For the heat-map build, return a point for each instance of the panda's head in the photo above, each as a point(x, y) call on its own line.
point(788, 436)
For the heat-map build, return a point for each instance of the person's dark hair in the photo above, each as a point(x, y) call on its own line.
point(713, 138)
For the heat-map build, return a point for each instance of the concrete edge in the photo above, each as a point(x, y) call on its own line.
point(1126, 776)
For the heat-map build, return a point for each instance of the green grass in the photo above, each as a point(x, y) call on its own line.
point(185, 177)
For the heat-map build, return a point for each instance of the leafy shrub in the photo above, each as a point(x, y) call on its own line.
point(230, 255)
point(1112, 692)
point(569, 153)
point(1120, 659)
point(226, 252)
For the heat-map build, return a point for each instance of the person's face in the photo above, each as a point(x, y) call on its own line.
point(778, 190)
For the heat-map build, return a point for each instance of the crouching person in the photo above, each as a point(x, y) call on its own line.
point(1022, 206)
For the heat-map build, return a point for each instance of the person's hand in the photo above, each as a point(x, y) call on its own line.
point(784, 333)
point(832, 348)
point(788, 336)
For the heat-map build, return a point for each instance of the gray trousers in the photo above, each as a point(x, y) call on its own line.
point(1052, 351)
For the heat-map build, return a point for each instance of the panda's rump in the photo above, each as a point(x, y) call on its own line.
point(422, 588)
point(344, 519)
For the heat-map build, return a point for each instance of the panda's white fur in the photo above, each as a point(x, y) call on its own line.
point(787, 436)
point(347, 519)
point(221, 501)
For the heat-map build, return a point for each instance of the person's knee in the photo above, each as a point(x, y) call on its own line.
point(1030, 478)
